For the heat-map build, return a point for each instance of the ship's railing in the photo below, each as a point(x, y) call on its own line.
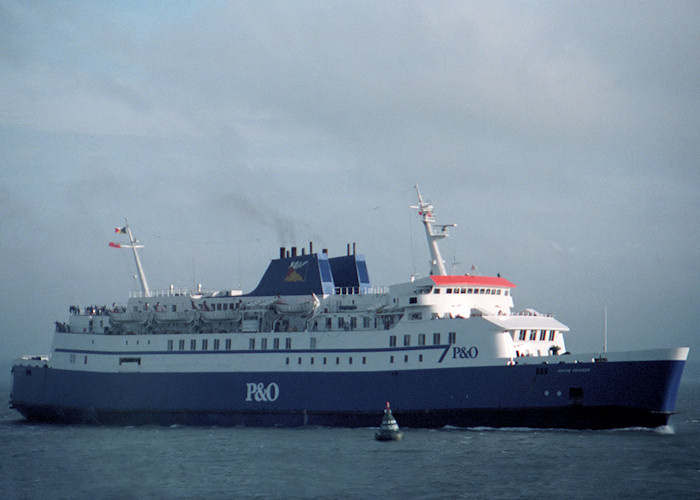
point(89, 311)
point(364, 290)
point(179, 291)
point(533, 314)
point(168, 292)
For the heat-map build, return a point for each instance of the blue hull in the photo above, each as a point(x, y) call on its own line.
point(582, 395)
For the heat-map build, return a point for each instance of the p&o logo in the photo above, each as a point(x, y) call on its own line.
point(258, 391)
point(465, 352)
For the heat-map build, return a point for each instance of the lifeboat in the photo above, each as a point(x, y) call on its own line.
point(175, 317)
point(130, 317)
point(305, 305)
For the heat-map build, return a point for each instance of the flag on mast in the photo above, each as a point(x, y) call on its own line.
point(120, 230)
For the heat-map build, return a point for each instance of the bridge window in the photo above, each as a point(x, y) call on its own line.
point(552, 333)
point(181, 345)
point(421, 339)
point(205, 344)
point(469, 290)
point(228, 344)
point(193, 345)
point(216, 344)
point(543, 334)
point(533, 334)
point(392, 341)
point(288, 343)
point(170, 345)
point(452, 337)
point(263, 344)
point(436, 338)
point(251, 344)
point(406, 340)
point(275, 344)
point(436, 290)
point(523, 334)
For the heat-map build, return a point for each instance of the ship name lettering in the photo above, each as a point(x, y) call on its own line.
point(258, 391)
point(465, 352)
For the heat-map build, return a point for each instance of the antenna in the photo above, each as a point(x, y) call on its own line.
point(605, 328)
point(455, 263)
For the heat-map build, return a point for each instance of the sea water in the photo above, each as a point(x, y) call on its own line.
point(79, 461)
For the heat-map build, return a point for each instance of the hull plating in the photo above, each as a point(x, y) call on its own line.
point(582, 395)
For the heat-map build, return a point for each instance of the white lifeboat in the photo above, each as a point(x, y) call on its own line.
point(305, 304)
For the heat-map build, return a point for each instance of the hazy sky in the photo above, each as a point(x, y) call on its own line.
point(562, 137)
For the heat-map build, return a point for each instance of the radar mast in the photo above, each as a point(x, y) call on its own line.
point(133, 244)
point(425, 210)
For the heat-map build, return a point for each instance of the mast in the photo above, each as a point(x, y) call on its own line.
point(425, 210)
point(605, 329)
point(133, 244)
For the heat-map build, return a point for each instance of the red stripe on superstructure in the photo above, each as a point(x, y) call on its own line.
point(471, 281)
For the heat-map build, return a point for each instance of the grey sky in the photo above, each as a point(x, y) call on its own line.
point(561, 137)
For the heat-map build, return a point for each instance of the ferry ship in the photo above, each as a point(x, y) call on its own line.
point(315, 343)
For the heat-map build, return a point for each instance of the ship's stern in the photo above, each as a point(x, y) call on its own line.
point(29, 379)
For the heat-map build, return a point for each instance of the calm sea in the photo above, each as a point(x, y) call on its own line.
point(52, 461)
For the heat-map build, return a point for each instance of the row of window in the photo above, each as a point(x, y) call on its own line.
point(262, 343)
point(533, 334)
point(312, 360)
point(451, 339)
point(216, 344)
point(475, 291)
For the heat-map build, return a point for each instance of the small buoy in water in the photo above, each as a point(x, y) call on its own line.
point(389, 429)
